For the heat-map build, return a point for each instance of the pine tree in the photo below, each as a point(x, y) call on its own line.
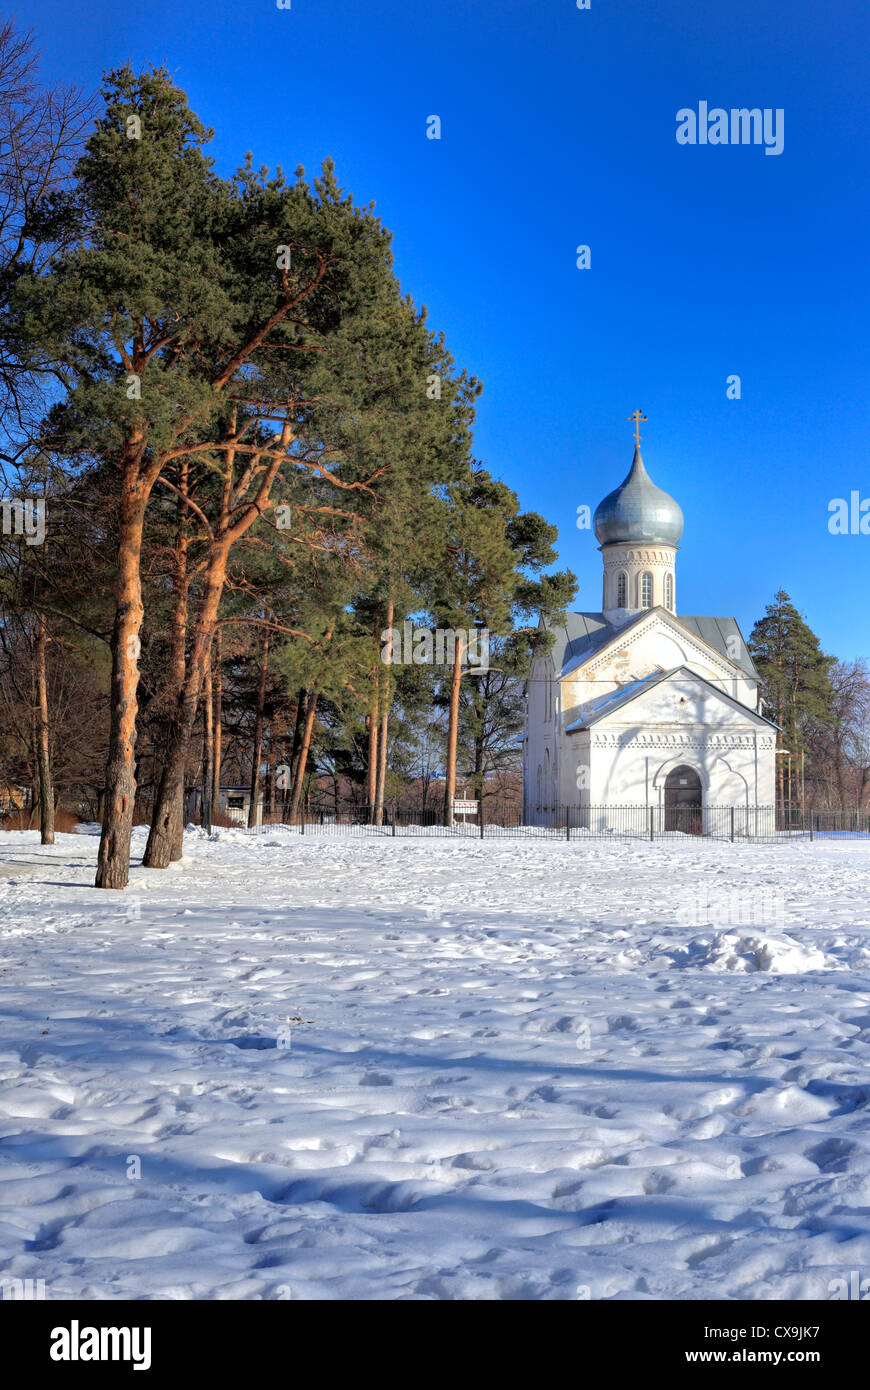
point(795, 683)
point(489, 559)
point(126, 316)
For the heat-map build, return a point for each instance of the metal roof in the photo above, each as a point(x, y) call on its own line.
point(716, 632)
point(586, 633)
point(638, 511)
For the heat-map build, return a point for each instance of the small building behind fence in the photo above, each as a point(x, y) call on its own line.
point(232, 802)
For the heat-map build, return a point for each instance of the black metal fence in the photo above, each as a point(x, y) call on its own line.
point(823, 824)
point(687, 824)
point(546, 822)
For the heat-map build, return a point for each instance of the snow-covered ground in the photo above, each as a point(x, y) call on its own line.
point(527, 1069)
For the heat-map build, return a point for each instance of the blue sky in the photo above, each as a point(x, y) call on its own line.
point(558, 129)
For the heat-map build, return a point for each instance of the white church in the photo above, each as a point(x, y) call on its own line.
point(637, 705)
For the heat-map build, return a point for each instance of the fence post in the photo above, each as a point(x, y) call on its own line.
point(480, 812)
point(567, 822)
point(303, 817)
point(393, 820)
point(651, 822)
point(811, 825)
point(732, 825)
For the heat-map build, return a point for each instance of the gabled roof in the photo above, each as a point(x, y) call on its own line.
point(584, 634)
point(596, 709)
point(604, 705)
point(715, 632)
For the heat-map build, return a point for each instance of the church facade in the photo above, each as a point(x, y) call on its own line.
point(638, 705)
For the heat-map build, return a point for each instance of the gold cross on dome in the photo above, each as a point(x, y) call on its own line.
point(637, 418)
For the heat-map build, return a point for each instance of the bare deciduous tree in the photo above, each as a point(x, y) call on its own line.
point(41, 135)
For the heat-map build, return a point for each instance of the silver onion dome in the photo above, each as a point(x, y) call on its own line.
point(638, 511)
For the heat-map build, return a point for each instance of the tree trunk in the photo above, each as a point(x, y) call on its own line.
point(33, 746)
point(43, 760)
point(296, 759)
point(113, 860)
point(298, 726)
point(289, 779)
point(218, 727)
point(178, 642)
point(382, 758)
point(385, 685)
point(372, 769)
point(269, 788)
point(453, 730)
point(207, 794)
point(158, 850)
point(258, 735)
point(303, 752)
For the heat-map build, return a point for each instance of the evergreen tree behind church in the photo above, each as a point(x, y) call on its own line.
point(795, 685)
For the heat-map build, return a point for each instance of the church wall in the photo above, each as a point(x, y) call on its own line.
point(627, 757)
point(575, 780)
point(542, 749)
point(680, 700)
point(631, 770)
point(626, 763)
point(767, 773)
point(575, 693)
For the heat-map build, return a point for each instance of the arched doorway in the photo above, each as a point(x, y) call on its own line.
point(683, 800)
